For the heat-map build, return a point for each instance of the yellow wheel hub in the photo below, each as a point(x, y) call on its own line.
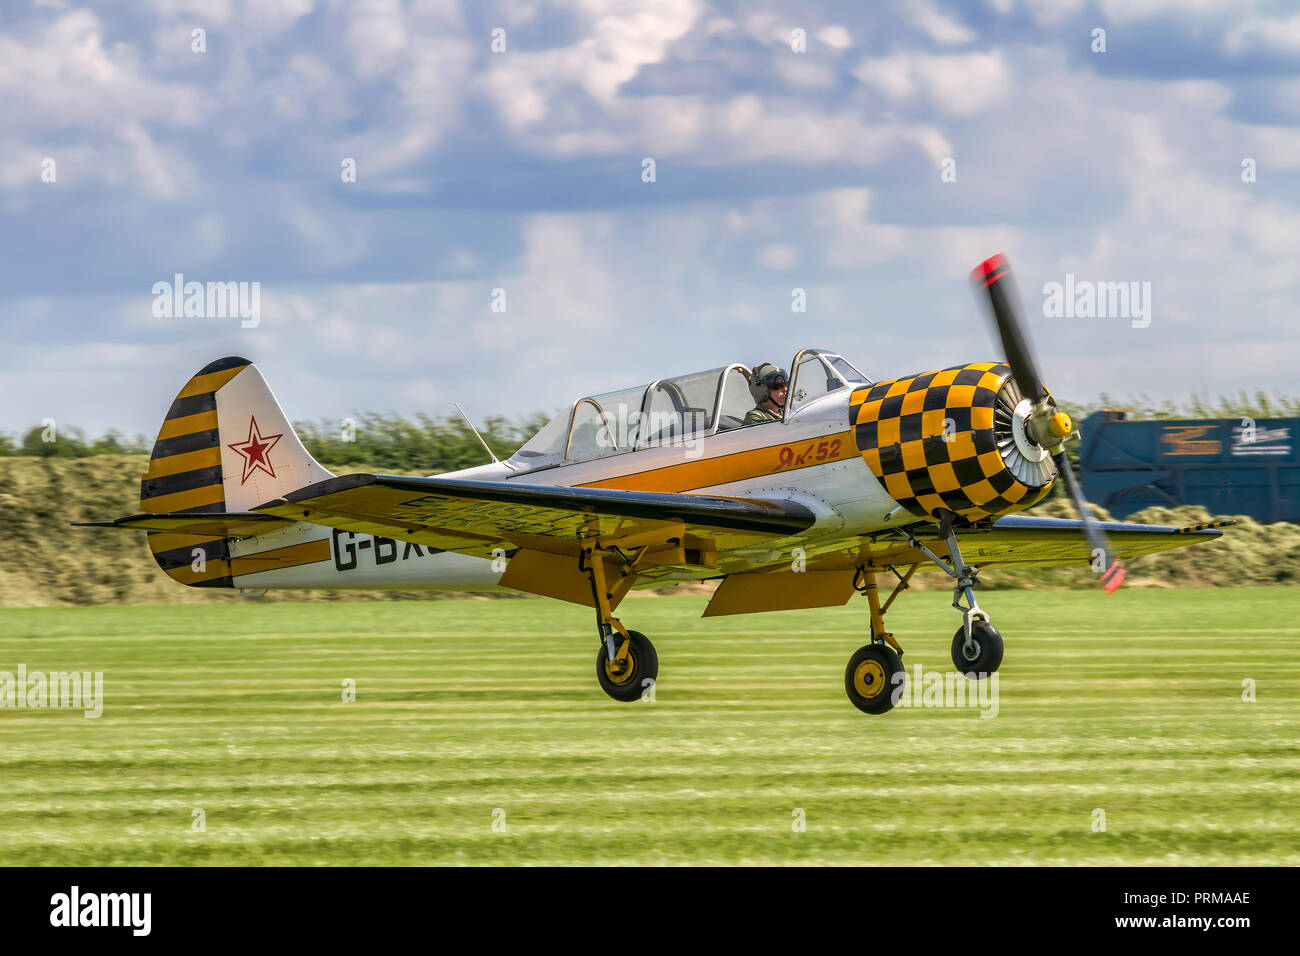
point(621, 673)
point(869, 679)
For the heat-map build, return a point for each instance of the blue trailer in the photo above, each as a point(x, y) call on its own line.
point(1231, 466)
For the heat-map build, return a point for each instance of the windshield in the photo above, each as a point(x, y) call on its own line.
point(590, 428)
point(548, 442)
point(674, 409)
point(681, 407)
point(623, 412)
point(847, 371)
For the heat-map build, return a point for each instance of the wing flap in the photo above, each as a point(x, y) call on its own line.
point(747, 593)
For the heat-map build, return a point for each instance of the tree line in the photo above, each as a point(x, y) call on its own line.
point(435, 444)
point(376, 440)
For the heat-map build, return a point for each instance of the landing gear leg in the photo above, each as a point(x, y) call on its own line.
point(875, 675)
point(977, 645)
point(867, 578)
point(626, 664)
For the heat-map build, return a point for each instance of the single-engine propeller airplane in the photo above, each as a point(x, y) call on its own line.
point(664, 483)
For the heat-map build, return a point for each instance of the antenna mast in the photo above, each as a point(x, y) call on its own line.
point(476, 434)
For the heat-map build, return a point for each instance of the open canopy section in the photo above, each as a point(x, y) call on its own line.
point(672, 410)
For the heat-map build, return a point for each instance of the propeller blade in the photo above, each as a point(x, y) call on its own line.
point(993, 276)
point(1113, 575)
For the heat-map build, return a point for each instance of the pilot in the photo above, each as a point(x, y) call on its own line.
point(769, 388)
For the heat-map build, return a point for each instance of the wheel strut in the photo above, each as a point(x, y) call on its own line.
point(966, 577)
point(607, 626)
point(867, 574)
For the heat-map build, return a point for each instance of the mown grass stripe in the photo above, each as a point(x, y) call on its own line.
point(467, 706)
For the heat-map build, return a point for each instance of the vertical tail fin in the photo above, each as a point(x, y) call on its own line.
point(225, 445)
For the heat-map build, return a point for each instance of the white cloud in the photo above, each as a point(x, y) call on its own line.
point(1263, 33)
point(960, 84)
point(938, 26)
point(623, 36)
point(1045, 12)
point(1064, 168)
point(1121, 11)
point(163, 173)
point(62, 68)
point(270, 17)
point(375, 36)
point(835, 37)
point(1273, 147)
point(777, 255)
point(802, 71)
point(744, 128)
point(61, 74)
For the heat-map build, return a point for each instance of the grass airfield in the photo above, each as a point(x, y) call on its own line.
point(479, 736)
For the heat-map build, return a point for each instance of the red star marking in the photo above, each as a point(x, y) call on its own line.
point(256, 450)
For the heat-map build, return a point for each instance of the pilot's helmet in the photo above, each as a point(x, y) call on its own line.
point(765, 378)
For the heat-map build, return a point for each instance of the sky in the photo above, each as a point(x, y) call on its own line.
point(868, 154)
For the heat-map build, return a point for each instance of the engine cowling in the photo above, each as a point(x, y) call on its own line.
point(952, 439)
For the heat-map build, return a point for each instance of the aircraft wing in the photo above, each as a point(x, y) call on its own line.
point(1025, 540)
point(475, 517)
point(1032, 540)
point(830, 573)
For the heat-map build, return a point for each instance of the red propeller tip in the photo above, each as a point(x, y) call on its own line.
point(990, 270)
point(1114, 577)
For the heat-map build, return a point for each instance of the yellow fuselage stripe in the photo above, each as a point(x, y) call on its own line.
point(166, 541)
point(309, 552)
point(185, 574)
point(754, 463)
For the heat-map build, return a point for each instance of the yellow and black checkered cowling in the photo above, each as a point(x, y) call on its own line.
point(900, 430)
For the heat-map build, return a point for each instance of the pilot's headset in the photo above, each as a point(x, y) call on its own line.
point(759, 381)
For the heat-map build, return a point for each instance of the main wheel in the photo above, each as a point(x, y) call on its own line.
point(986, 654)
point(874, 678)
point(634, 676)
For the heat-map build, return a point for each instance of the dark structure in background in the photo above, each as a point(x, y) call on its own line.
point(1231, 466)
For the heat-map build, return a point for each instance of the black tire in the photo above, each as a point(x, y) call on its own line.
point(988, 654)
point(642, 670)
point(874, 679)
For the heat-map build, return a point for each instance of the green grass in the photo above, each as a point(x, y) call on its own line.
point(1131, 704)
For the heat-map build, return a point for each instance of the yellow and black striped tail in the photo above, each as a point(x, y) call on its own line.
point(185, 475)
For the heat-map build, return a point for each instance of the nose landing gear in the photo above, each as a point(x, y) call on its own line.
point(979, 652)
point(977, 645)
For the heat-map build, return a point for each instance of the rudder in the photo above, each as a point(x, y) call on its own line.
point(225, 445)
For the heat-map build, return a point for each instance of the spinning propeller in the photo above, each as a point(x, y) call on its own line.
point(1044, 423)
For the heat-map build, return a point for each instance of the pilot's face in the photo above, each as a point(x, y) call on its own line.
point(777, 394)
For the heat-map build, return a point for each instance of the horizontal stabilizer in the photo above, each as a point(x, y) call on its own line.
point(234, 524)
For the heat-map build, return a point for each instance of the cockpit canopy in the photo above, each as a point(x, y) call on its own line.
point(675, 409)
